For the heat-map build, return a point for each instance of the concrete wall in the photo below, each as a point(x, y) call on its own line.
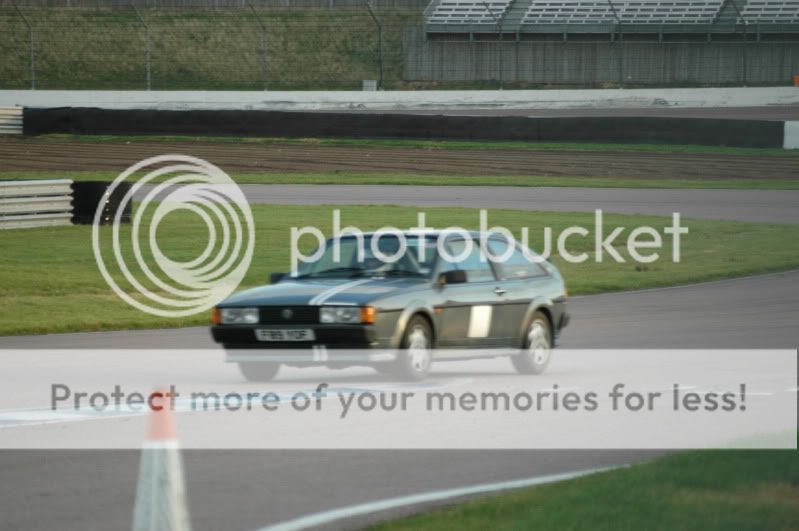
point(404, 100)
point(600, 62)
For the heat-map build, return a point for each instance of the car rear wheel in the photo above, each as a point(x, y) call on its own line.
point(415, 356)
point(537, 347)
point(258, 371)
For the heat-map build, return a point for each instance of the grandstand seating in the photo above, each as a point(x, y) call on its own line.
point(569, 12)
point(621, 11)
point(660, 12)
point(468, 11)
point(605, 15)
point(771, 12)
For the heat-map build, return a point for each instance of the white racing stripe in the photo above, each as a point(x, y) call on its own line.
point(326, 517)
point(325, 295)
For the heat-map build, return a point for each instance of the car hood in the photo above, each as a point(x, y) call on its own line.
point(347, 291)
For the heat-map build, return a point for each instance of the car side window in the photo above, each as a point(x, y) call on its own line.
point(517, 265)
point(477, 269)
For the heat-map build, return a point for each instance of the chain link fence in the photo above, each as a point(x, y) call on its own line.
point(249, 47)
point(337, 44)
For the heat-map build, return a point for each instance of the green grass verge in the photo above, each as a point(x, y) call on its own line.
point(49, 281)
point(438, 144)
point(202, 49)
point(708, 490)
point(446, 180)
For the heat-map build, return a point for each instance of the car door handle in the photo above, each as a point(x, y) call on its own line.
point(500, 291)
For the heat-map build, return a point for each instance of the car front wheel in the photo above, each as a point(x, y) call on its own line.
point(415, 356)
point(537, 347)
point(258, 371)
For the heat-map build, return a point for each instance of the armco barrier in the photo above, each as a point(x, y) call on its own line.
point(45, 203)
point(10, 120)
point(25, 204)
point(649, 130)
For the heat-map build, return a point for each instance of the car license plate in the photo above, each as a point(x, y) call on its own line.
point(289, 334)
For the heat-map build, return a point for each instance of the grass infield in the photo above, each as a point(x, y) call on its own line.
point(707, 490)
point(438, 144)
point(337, 177)
point(49, 280)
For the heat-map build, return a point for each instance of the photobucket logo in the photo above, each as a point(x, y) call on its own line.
point(163, 286)
point(643, 244)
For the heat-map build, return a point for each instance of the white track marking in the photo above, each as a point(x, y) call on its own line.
point(19, 418)
point(666, 389)
point(326, 517)
point(555, 390)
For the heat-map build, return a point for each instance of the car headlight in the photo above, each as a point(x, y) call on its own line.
point(347, 314)
point(239, 315)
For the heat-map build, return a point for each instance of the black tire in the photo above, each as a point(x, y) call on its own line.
point(258, 371)
point(411, 363)
point(536, 346)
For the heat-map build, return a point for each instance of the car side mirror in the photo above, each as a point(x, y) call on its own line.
point(456, 276)
point(274, 278)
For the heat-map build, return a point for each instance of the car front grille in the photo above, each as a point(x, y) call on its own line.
point(299, 314)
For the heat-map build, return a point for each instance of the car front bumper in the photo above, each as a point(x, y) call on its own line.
point(330, 341)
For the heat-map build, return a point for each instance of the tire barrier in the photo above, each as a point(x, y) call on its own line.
point(634, 130)
point(87, 196)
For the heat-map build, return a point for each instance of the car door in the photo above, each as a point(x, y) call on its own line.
point(465, 311)
point(519, 279)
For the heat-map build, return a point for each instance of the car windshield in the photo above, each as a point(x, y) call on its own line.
point(352, 256)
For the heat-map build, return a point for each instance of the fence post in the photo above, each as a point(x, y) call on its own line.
point(498, 22)
point(147, 51)
point(31, 49)
point(379, 44)
point(264, 64)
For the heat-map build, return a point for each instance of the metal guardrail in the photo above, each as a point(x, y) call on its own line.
point(26, 204)
point(10, 120)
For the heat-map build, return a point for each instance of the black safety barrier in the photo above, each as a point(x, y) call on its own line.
point(638, 130)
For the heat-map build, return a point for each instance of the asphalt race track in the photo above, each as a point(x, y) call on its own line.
point(248, 489)
point(776, 206)
point(78, 490)
point(707, 315)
